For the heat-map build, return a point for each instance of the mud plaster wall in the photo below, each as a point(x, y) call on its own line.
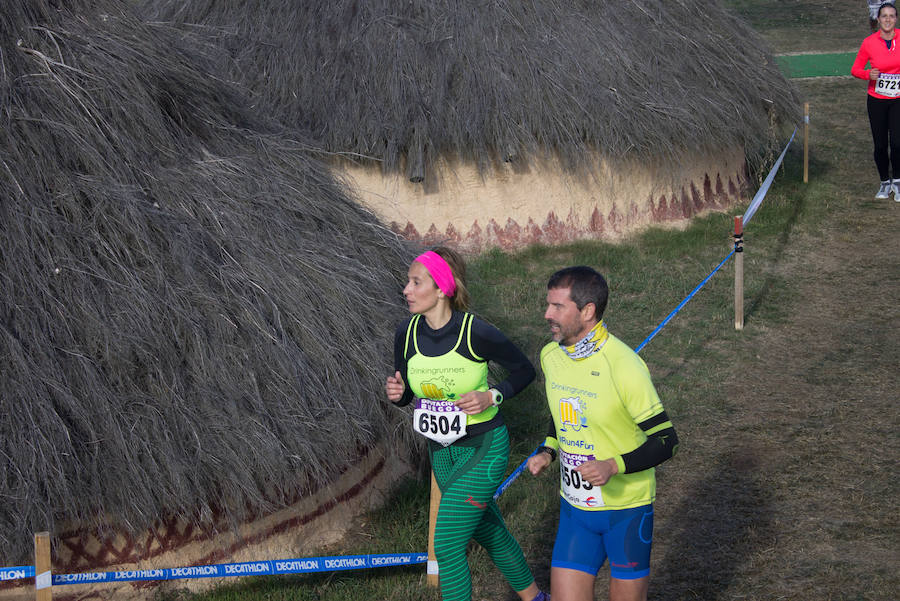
point(512, 206)
point(299, 530)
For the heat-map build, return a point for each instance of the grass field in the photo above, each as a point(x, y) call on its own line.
point(816, 65)
point(784, 485)
point(806, 25)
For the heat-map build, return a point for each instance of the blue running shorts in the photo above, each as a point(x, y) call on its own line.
point(585, 539)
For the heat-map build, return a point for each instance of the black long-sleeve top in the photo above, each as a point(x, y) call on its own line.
point(489, 343)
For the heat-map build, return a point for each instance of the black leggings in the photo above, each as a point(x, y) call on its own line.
point(884, 117)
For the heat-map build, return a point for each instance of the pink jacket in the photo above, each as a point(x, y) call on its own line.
point(875, 51)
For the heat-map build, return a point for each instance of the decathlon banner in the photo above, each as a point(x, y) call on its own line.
point(246, 568)
point(16, 573)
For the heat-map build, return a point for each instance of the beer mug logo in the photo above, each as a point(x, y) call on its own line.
point(571, 414)
point(432, 391)
point(436, 390)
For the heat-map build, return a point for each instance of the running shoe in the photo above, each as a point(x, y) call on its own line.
point(895, 188)
point(884, 191)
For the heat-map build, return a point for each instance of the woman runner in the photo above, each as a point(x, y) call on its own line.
point(880, 49)
point(441, 359)
point(874, 5)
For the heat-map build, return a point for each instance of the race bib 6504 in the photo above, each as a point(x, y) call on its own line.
point(441, 421)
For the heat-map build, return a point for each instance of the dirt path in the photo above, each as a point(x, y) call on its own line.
point(793, 493)
point(789, 492)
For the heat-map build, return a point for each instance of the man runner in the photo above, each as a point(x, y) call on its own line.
point(610, 430)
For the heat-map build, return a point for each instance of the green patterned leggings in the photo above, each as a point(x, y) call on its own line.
point(468, 474)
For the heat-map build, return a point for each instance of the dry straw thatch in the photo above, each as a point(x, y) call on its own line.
point(405, 82)
point(193, 313)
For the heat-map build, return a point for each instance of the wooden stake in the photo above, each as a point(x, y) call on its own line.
point(738, 273)
point(432, 521)
point(43, 580)
point(805, 142)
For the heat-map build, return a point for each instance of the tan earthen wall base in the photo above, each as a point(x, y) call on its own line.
point(511, 206)
point(299, 530)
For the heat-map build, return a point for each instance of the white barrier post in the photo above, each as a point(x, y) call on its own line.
point(432, 569)
point(805, 142)
point(738, 273)
point(43, 579)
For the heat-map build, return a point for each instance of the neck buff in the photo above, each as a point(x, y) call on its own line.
point(592, 342)
point(439, 270)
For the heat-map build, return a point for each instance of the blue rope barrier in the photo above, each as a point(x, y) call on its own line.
point(502, 488)
point(681, 304)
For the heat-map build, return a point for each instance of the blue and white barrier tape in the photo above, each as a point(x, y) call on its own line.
point(761, 193)
point(247, 568)
point(16, 573)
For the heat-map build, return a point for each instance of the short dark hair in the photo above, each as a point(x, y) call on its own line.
point(886, 4)
point(585, 285)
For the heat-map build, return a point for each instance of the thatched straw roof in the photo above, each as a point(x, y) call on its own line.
point(406, 81)
point(192, 311)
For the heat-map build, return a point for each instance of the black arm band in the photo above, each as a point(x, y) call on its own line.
point(550, 451)
point(658, 447)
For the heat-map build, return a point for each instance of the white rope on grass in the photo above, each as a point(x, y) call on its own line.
point(761, 193)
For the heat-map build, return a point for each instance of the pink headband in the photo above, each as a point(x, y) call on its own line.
point(440, 271)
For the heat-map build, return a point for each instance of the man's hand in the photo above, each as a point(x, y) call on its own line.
point(474, 402)
point(536, 463)
point(598, 472)
point(873, 74)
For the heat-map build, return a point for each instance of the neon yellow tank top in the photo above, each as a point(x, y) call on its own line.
point(447, 376)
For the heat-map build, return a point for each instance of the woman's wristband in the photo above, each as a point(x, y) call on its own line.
point(496, 397)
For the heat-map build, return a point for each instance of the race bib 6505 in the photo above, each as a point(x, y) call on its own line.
point(577, 491)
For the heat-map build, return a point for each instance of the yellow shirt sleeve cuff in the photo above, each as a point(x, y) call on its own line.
point(620, 463)
point(552, 443)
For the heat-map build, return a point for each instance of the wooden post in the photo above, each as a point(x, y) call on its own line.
point(432, 521)
point(805, 142)
point(738, 273)
point(43, 580)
